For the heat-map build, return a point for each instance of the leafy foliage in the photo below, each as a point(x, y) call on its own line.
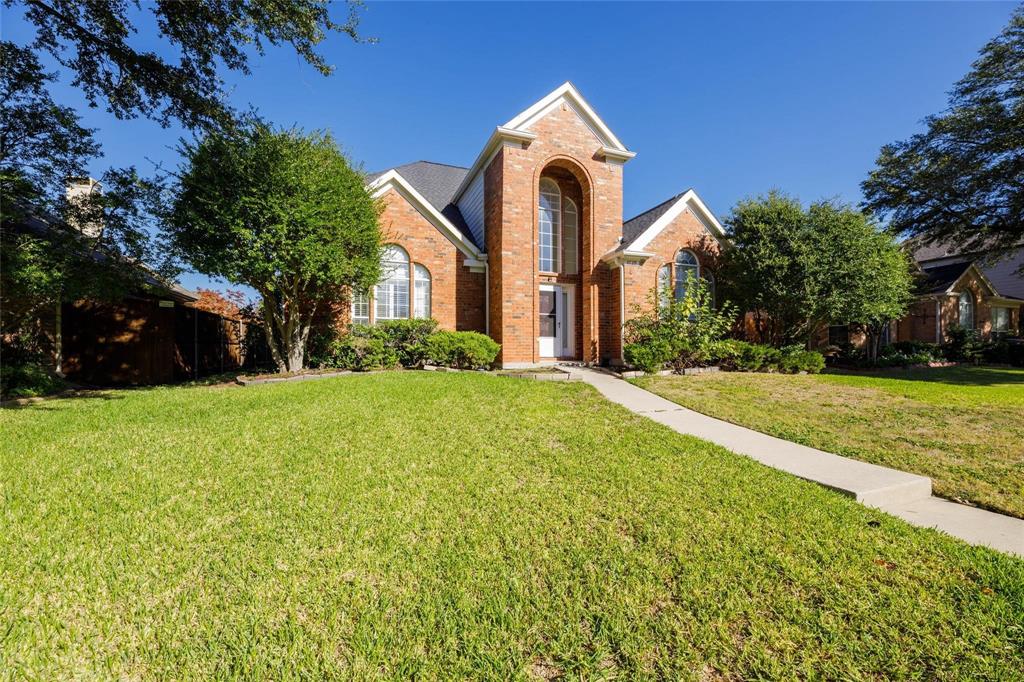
point(27, 380)
point(797, 270)
point(462, 350)
point(962, 180)
point(281, 211)
point(92, 40)
point(677, 332)
point(743, 356)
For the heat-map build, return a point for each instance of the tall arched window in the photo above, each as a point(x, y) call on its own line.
point(687, 268)
point(664, 284)
point(421, 301)
point(549, 219)
point(570, 235)
point(391, 295)
point(966, 310)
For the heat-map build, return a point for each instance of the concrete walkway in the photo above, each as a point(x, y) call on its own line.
point(907, 496)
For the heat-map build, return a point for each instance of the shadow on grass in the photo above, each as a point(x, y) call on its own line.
point(953, 376)
point(46, 402)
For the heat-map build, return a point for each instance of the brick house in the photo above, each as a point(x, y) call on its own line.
point(967, 290)
point(528, 244)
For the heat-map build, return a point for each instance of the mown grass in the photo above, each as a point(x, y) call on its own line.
point(961, 426)
point(456, 526)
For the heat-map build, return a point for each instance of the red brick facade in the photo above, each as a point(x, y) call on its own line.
point(565, 144)
point(920, 322)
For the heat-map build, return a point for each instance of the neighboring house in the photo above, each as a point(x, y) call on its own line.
point(982, 291)
point(151, 335)
point(528, 244)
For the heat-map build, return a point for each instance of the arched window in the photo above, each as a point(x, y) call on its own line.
point(421, 302)
point(391, 295)
point(570, 235)
point(360, 307)
point(687, 268)
point(664, 285)
point(966, 310)
point(549, 225)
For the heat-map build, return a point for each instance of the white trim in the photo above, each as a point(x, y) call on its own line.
point(392, 179)
point(612, 154)
point(615, 258)
point(622, 312)
point(688, 201)
point(568, 93)
point(498, 139)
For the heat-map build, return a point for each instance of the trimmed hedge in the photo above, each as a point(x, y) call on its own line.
point(462, 350)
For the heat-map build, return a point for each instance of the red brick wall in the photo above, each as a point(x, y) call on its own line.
point(919, 323)
point(563, 141)
point(685, 232)
point(457, 295)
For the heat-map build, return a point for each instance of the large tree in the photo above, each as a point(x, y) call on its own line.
point(283, 212)
point(962, 180)
point(797, 269)
point(94, 41)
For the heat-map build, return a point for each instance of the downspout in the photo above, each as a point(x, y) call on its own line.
point(938, 320)
point(622, 313)
point(487, 299)
point(195, 343)
point(58, 341)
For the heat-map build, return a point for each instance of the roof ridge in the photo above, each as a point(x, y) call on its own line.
point(656, 206)
point(435, 163)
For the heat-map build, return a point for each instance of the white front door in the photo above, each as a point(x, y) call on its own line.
point(556, 328)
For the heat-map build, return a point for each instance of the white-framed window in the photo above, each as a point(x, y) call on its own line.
point(421, 300)
point(360, 307)
point(549, 219)
point(664, 283)
point(1000, 319)
point(570, 237)
point(966, 305)
point(391, 295)
point(687, 269)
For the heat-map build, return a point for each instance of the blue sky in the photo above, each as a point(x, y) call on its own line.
point(732, 99)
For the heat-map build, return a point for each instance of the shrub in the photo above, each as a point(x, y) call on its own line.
point(917, 348)
point(406, 337)
point(462, 350)
point(1005, 352)
point(801, 360)
point(27, 380)
point(964, 345)
point(364, 348)
point(742, 356)
point(681, 333)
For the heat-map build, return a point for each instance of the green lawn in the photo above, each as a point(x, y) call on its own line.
point(962, 426)
point(429, 525)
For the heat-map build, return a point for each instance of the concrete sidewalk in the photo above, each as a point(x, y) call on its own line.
point(907, 496)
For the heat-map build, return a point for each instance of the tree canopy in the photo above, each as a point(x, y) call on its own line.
point(797, 269)
point(283, 212)
point(962, 180)
point(94, 41)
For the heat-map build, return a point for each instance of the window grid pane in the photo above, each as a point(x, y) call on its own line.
point(421, 307)
point(391, 295)
point(548, 226)
point(360, 308)
point(569, 238)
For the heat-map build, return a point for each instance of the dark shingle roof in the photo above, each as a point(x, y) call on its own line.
point(634, 227)
point(1004, 269)
point(437, 182)
point(939, 278)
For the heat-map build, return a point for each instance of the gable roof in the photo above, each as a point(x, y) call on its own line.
point(517, 131)
point(639, 231)
point(435, 182)
point(939, 279)
point(432, 180)
point(567, 92)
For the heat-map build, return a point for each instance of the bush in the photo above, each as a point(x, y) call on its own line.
point(462, 350)
point(1005, 352)
point(964, 345)
point(406, 337)
point(681, 333)
point(742, 356)
point(28, 380)
point(362, 349)
point(917, 348)
point(808, 361)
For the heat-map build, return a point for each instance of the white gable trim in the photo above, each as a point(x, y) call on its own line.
point(688, 201)
point(567, 92)
point(475, 260)
point(498, 139)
